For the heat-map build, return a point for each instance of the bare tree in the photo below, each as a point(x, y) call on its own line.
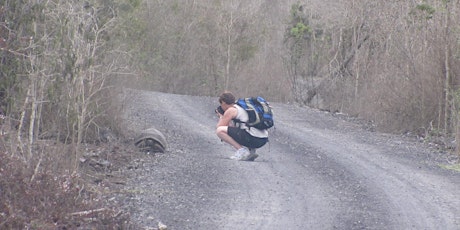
point(66, 63)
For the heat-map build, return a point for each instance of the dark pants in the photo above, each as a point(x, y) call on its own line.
point(245, 139)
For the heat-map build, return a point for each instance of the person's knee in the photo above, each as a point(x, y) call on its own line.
point(220, 131)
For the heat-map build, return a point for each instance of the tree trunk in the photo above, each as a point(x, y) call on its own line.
point(447, 89)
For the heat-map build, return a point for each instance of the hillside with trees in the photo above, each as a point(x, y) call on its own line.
point(63, 65)
point(393, 63)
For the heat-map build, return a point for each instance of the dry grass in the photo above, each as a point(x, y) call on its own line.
point(44, 194)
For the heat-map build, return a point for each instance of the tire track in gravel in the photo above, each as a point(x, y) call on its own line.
point(391, 191)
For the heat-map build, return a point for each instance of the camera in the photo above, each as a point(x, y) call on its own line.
point(220, 110)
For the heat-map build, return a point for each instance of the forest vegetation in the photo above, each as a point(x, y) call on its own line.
point(64, 64)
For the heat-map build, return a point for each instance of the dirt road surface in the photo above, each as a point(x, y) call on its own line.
point(317, 172)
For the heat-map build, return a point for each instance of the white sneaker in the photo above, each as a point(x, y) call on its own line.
point(241, 154)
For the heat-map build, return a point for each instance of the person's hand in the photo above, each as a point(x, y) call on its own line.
point(219, 111)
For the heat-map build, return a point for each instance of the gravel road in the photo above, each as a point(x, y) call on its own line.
point(317, 172)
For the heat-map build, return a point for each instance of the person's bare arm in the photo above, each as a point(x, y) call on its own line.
point(224, 120)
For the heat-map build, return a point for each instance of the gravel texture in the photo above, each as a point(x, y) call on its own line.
point(318, 171)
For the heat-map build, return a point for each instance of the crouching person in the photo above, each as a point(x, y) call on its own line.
point(231, 128)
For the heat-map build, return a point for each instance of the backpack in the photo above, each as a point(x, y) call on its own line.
point(259, 112)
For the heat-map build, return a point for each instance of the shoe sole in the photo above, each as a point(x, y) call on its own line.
point(241, 158)
point(252, 157)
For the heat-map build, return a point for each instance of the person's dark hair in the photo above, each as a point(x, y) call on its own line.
point(227, 97)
